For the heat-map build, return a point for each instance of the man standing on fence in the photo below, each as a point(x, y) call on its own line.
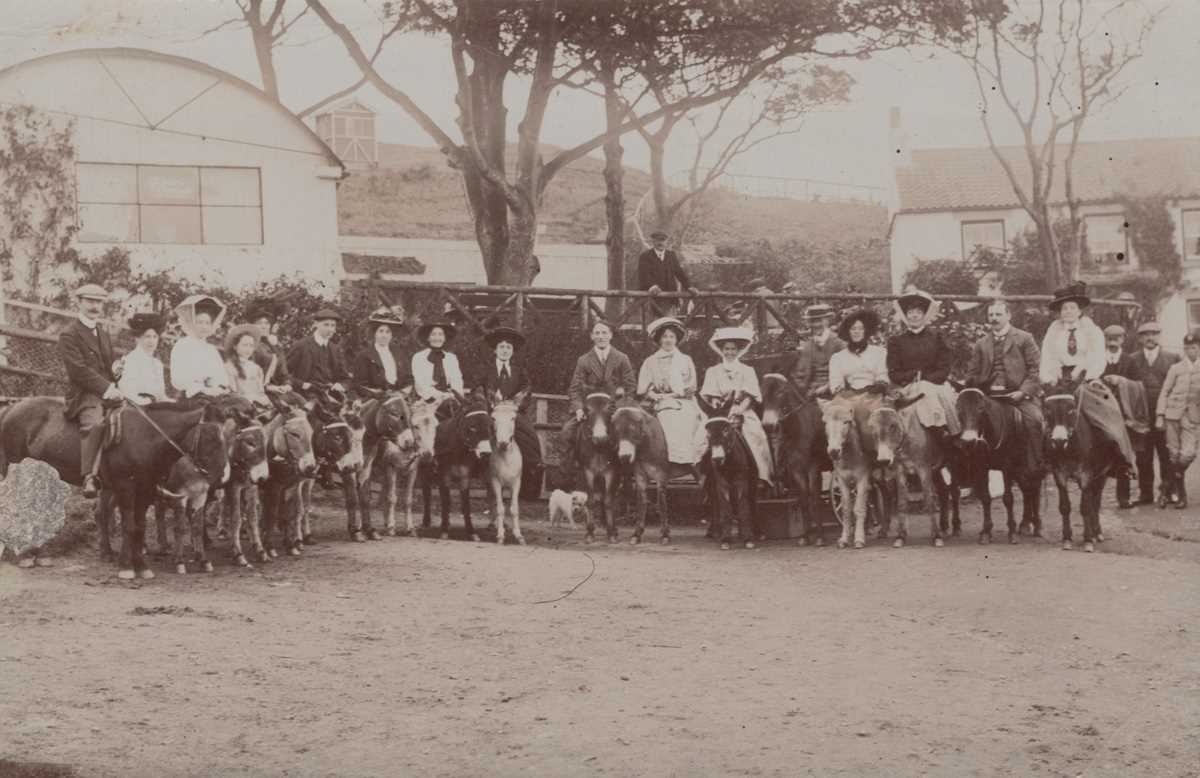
point(86, 351)
point(659, 270)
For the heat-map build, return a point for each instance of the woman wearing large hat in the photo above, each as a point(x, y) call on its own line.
point(197, 368)
point(667, 381)
point(435, 370)
point(1073, 356)
point(264, 313)
point(861, 365)
point(918, 361)
point(732, 378)
point(380, 365)
point(508, 380)
point(140, 374)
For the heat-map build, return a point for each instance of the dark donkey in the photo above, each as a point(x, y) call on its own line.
point(1075, 451)
point(729, 465)
point(463, 451)
point(290, 460)
point(797, 434)
point(641, 449)
point(996, 436)
point(337, 448)
point(595, 451)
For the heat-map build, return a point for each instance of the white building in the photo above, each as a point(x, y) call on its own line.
point(950, 202)
point(349, 129)
point(188, 167)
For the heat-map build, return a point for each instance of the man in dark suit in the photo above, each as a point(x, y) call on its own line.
point(86, 351)
point(508, 380)
point(1117, 365)
point(1149, 365)
point(315, 360)
point(602, 369)
point(659, 270)
point(810, 371)
point(1006, 362)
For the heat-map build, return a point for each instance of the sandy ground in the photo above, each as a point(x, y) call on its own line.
point(432, 658)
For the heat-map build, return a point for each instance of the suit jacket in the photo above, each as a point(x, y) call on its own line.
point(1173, 402)
point(264, 354)
point(661, 273)
point(1119, 368)
point(369, 372)
point(517, 382)
point(803, 372)
point(88, 360)
point(1150, 375)
point(305, 363)
point(591, 376)
point(1022, 359)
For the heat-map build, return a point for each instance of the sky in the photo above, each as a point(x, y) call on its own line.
point(850, 143)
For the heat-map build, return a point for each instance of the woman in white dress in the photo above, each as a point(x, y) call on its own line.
point(733, 378)
point(246, 376)
point(196, 365)
point(140, 373)
point(861, 365)
point(667, 381)
point(435, 370)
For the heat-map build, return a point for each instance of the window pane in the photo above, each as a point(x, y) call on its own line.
point(988, 235)
point(339, 125)
point(229, 186)
point(1106, 238)
point(106, 183)
point(99, 223)
point(170, 224)
point(1191, 235)
point(233, 225)
point(169, 185)
point(1193, 314)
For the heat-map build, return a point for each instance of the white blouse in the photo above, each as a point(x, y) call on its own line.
point(858, 371)
point(142, 374)
point(422, 372)
point(722, 379)
point(389, 364)
point(1089, 352)
point(197, 368)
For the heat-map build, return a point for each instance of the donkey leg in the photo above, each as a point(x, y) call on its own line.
point(1009, 507)
point(103, 516)
point(610, 506)
point(1064, 510)
point(160, 528)
point(388, 492)
point(125, 503)
point(236, 496)
point(497, 491)
point(444, 497)
point(181, 521)
point(413, 472)
point(639, 486)
point(984, 493)
point(197, 513)
point(862, 493)
point(664, 514)
point(929, 503)
point(465, 500)
point(594, 508)
point(142, 500)
point(845, 512)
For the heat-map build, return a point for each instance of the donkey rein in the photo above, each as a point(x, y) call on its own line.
point(155, 426)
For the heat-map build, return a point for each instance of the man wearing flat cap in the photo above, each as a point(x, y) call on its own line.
point(87, 354)
point(659, 270)
point(1114, 350)
point(316, 360)
point(1149, 366)
point(810, 372)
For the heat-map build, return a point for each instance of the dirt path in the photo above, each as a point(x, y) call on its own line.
point(428, 658)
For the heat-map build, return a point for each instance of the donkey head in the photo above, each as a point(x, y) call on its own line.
point(598, 408)
point(839, 426)
point(1061, 416)
point(886, 428)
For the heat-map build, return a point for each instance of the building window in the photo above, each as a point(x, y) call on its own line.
point(982, 235)
point(1191, 236)
point(169, 204)
point(1107, 242)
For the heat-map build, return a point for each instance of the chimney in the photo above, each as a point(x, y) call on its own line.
point(901, 152)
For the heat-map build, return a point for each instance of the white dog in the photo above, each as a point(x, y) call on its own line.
point(568, 504)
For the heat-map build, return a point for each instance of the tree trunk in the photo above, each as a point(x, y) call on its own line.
point(1047, 245)
point(614, 188)
point(266, 60)
point(658, 182)
point(517, 267)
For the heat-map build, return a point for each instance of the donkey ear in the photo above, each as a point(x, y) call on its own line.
point(520, 396)
point(497, 397)
point(406, 392)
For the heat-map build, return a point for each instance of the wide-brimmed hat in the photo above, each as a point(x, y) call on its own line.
point(868, 317)
point(819, 312)
point(385, 315)
point(1150, 327)
point(140, 323)
point(915, 298)
point(327, 314)
point(195, 304)
point(424, 330)
point(741, 335)
point(666, 323)
point(235, 334)
point(1114, 331)
point(260, 307)
point(1076, 293)
point(506, 334)
point(92, 292)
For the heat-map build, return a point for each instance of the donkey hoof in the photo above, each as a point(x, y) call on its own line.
point(1013, 539)
point(985, 538)
point(391, 532)
point(474, 538)
point(241, 561)
point(1066, 546)
point(633, 541)
point(294, 551)
point(181, 568)
point(208, 567)
point(860, 544)
point(749, 544)
point(273, 554)
point(358, 537)
point(956, 532)
point(665, 540)
point(938, 543)
point(724, 546)
point(1100, 538)
point(589, 539)
point(146, 574)
point(520, 539)
point(1089, 547)
point(842, 544)
point(802, 542)
point(444, 536)
point(126, 575)
point(898, 543)
point(612, 540)
point(820, 543)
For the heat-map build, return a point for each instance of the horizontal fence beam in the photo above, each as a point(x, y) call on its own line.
point(29, 373)
point(21, 332)
point(36, 307)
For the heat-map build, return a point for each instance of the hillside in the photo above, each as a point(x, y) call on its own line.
point(414, 194)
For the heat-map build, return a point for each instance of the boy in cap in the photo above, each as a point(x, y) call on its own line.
point(315, 360)
point(1178, 415)
point(86, 351)
point(1149, 366)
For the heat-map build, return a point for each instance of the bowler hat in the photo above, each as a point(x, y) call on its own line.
point(819, 312)
point(658, 235)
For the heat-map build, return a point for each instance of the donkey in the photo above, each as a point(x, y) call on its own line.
point(995, 436)
point(904, 445)
point(290, 456)
point(1075, 451)
point(797, 434)
point(389, 452)
point(336, 446)
point(425, 421)
point(853, 455)
point(595, 451)
point(642, 453)
point(505, 465)
point(730, 465)
point(463, 451)
point(187, 487)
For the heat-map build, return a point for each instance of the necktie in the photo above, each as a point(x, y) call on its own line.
point(436, 355)
point(504, 372)
point(1072, 343)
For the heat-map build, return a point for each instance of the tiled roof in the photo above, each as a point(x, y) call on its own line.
point(374, 263)
point(963, 179)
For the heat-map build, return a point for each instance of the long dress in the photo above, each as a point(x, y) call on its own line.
point(197, 368)
point(674, 373)
point(142, 379)
point(722, 381)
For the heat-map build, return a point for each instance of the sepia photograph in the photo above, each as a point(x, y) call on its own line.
point(599, 388)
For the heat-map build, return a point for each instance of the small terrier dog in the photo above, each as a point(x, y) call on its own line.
point(568, 504)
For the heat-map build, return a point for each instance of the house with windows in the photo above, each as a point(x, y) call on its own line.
point(951, 203)
point(349, 129)
point(189, 168)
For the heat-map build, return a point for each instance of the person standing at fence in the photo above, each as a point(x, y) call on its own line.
point(380, 366)
point(659, 270)
point(603, 369)
point(315, 360)
point(263, 312)
point(1178, 415)
point(1149, 366)
point(667, 381)
point(86, 352)
point(810, 371)
point(508, 380)
point(140, 374)
point(197, 369)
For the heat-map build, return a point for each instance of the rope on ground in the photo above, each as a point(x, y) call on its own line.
point(572, 590)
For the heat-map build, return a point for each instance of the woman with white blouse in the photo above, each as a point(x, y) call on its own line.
point(141, 374)
point(246, 377)
point(667, 380)
point(435, 371)
point(196, 365)
point(861, 365)
point(732, 378)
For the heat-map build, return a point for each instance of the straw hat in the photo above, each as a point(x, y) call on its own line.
point(662, 323)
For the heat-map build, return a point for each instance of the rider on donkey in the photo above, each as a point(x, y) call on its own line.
point(86, 351)
point(1005, 363)
point(602, 369)
point(810, 372)
point(263, 313)
point(509, 380)
point(1073, 356)
point(315, 360)
point(197, 369)
point(918, 361)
